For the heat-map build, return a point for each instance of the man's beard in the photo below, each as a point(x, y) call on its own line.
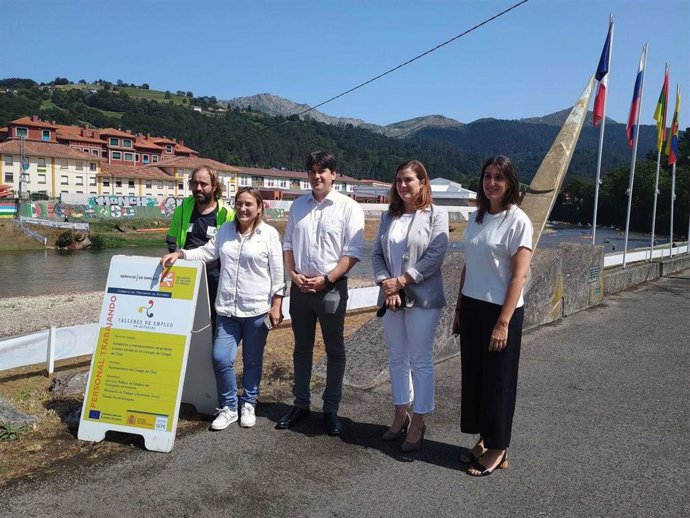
point(203, 198)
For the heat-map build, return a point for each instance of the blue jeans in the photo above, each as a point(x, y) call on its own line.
point(229, 332)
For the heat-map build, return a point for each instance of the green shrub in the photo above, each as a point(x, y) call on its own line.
point(10, 431)
point(101, 242)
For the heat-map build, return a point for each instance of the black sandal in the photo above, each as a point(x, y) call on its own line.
point(469, 457)
point(484, 471)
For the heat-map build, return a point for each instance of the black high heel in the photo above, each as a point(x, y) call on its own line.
point(413, 446)
point(394, 436)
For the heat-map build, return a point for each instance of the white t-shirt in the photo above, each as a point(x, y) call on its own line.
point(489, 248)
point(397, 242)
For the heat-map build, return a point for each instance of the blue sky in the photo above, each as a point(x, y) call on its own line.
point(533, 61)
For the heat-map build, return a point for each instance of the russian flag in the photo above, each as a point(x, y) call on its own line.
point(602, 76)
point(633, 117)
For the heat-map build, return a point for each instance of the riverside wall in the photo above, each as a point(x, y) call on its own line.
point(562, 281)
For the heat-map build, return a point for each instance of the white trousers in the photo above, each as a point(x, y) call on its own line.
point(410, 337)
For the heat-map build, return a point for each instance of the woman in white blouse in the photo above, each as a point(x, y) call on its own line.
point(489, 314)
point(250, 292)
point(408, 253)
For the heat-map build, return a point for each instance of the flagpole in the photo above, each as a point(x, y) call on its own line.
point(634, 156)
point(673, 200)
point(601, 143)
point(659, 146)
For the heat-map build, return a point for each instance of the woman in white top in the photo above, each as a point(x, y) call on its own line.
point(250, 292)
point(408, 253)
point(489, 314)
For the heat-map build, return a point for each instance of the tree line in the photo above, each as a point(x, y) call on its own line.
point(250, 138)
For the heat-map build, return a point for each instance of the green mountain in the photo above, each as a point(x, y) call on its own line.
point(246, 136)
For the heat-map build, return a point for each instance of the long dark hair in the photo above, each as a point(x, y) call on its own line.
point(254, 193)
point(396, 206)
point(512, 195)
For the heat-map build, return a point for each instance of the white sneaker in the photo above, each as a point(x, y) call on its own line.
point(248, 418)
point(225, 417)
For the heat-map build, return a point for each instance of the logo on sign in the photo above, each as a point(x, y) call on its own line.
point(147, 309)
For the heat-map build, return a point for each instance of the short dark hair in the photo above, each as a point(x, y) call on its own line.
point(215, 180)
point(323, 160)
point(512, 195)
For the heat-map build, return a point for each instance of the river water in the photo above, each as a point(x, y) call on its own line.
point(26, 273)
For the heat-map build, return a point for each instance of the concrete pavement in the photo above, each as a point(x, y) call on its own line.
point(601, 429)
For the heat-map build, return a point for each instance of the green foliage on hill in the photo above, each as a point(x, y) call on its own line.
point(250, 138)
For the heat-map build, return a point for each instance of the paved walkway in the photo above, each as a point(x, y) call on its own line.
point(601, 429)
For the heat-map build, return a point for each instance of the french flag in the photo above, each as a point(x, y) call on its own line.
point(633, 117)
point(602, 76)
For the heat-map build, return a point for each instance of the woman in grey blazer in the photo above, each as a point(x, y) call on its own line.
point(408, 253)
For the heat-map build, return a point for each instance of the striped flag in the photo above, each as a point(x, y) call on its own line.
point(633, 117)
point(660, 113)
point(602, 76)
point(672, 143)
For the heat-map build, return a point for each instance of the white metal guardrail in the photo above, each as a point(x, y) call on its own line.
point(69, 342)
point(38, 237)
point(54, 224)
point(638, 255)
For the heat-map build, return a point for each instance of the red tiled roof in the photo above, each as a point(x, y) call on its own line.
point(297, 175)
point(27, 121)
point(146, 144)
point(180, 148)
point(114, 132)
point(46, 149)
point(192, 162)
point(163, 140)
point(134, 171)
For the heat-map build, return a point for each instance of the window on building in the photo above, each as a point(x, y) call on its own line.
point(129, 157)
point(117, 155)
point(92, 181)
point(118, 193)
point(118, 183)
point(94, 152)
point(149, 194)
point(45, 135)
point(146, 159)
point(64, 192)
point(80, 192)
point(180, 186)
point(79, 165)
point(92, 166)
point(79, 180)
point(304, 185)
point(106, 183)
point(41, 178)
point(131, 193)
point(245, 181)
point(169, 148)
point(64, 179)
point(154, 158)
point(86, 150)
point(92, 192)
point(41, 162)
point(21, 132)
point(64, 163)
point(9, 177)
point(160, 185)
point(114, 141)
point(130, 183)
point(170, 185)
point(269, 182)
point(148, 184)
point(9, 160)
point(284, 184)
point(126, 142)
point(136, 157)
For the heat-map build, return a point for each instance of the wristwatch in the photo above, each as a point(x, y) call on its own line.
point(327, 282)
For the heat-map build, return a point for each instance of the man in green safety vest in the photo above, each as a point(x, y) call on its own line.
point(197, 220)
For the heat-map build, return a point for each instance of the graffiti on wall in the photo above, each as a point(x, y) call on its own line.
point(102, 207)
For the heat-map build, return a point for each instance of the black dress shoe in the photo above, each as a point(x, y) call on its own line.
point(293, 417)
point(331, 423)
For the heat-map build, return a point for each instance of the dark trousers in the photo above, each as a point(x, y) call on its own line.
point(328, 307)
point(489, 379)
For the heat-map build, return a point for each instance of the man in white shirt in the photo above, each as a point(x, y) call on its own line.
point(323, 241)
